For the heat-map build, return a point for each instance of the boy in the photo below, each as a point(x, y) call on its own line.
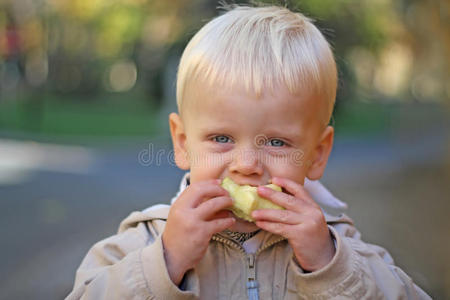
point(255, 92)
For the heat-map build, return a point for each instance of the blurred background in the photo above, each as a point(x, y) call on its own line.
point(86, 87)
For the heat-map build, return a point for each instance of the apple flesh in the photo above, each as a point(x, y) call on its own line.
point(246, 198)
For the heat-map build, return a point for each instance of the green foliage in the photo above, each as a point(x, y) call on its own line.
point(71, 117)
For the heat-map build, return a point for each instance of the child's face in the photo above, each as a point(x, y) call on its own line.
point(229, 132)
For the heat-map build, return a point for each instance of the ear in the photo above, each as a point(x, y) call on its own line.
point(321, 154)
point(179, 141)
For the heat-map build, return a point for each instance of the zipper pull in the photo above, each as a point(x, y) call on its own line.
point(251, 266)
point(252, 284)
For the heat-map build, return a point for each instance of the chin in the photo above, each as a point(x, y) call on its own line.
point(243, 226)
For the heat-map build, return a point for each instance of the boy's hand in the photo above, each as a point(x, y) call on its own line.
point(302, 223)
point(195, 216)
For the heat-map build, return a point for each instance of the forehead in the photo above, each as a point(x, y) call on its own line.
point(234, 106)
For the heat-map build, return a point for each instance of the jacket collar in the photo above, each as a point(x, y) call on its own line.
point(183, 185)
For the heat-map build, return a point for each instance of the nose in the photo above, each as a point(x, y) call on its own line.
point(246, 162)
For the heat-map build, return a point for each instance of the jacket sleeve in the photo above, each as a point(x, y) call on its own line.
point(129, 265)
point(357, 271)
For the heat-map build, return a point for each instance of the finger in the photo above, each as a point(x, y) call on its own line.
point(287, 201)
point(212, 206)
point(219, 225)
point(294, 188)
point(274, 215)
point(220, 215)
point(273, 227)
point(205, 190)
point(291, 186)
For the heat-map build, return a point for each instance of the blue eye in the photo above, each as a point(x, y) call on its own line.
point(222, 139)
point(276, 143)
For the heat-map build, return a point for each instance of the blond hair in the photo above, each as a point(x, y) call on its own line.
point(261, 47)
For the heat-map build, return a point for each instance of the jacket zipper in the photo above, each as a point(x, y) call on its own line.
point(252, 283)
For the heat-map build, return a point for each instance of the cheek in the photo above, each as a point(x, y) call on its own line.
point(287, 171)
point(287, 158)
point(206, 165)
point(292, 165)
point(206, 159)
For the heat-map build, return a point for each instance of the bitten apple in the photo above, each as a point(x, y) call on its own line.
point(246, 198)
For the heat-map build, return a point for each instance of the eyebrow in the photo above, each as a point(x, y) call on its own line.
point(292, 133)
point(220, 128)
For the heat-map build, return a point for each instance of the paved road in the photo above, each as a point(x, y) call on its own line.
point(54, 208)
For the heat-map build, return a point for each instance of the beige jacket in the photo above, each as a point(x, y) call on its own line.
point(131, 265)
